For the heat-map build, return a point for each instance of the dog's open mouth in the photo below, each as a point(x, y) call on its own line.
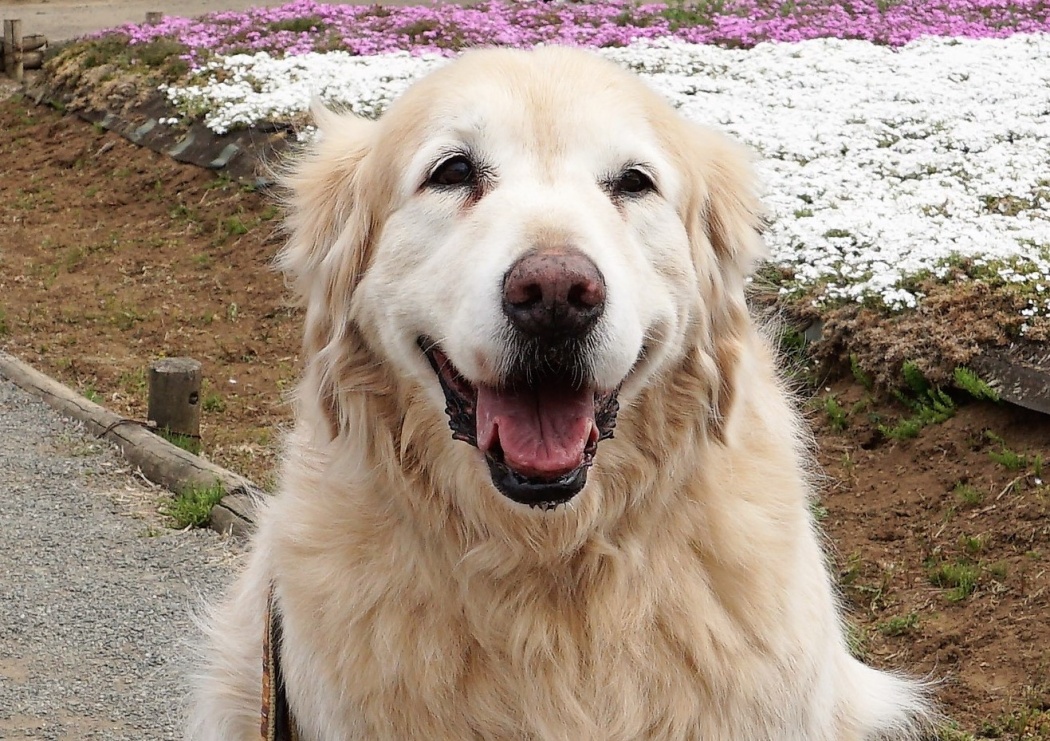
point(538, 438)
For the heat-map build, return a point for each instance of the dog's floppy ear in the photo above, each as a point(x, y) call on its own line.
point(724, 221)
point(321, 197)
point(330, 222)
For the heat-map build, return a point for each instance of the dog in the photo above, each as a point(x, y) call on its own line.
point(544, 482)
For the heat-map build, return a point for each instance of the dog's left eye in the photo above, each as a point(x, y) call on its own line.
point(458, 170)
point(633, 182)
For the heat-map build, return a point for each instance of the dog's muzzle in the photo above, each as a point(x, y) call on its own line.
point(538, 438)
point(539, 429)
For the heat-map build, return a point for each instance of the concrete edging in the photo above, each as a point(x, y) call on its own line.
point(159, 460)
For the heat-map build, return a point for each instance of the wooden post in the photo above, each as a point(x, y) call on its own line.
point(154, 17)
point(13, 49)
point(174, 395)
point(33, 60)
point(33, 42)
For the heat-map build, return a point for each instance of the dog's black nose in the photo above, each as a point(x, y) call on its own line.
point(554, 293)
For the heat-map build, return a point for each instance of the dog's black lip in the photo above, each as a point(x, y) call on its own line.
point(536, 492)
point(460, 395)
point(461, 408)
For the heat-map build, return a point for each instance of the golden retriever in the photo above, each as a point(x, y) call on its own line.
point(544, 483)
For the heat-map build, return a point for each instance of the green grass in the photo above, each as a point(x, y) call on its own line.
point(5, 328)
point(133, 382)
point(859, 375)
point(928, 403)
point(960, 579)
point(234, 227)
point(837, 416)
point(952, 733)
point(187, 442)
point(900, 625)
point(857, 639)
point(968, 381)
point(213, 402)
point(818, 510)
point(192, 507)
point(969, 495)
point(1011, 460)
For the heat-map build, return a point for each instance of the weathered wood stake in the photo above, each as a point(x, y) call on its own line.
point(174, 395)
point(13, 49)
point(34, 41)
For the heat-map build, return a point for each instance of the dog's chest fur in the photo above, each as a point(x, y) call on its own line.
point(602, 655)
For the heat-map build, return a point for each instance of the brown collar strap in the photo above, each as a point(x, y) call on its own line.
point(277, 722)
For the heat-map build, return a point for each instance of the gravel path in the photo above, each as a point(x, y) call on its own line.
point(96, 594)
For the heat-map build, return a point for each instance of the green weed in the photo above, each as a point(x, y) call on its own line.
point(900, 625)
point(212, 402)
point(951, 732)
point(837, 417)
point(968, 381)
point(928, 403)
point(1011, 460)
point(192, 507)
point(859, 375)
point(72, 259)
point(968, 495)
point(960, 579)
point(133, 382)
point(817, 510)
point(857, 640)
point(998, 570)
point(187, 442)
point(234, 227)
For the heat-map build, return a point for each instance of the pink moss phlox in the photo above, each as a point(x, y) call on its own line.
point(303, 26)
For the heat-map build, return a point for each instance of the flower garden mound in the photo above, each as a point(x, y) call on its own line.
point(907, 233)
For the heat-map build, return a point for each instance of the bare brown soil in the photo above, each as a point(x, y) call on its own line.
point(111, 255)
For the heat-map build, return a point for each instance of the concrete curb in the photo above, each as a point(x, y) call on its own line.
point(159, 460)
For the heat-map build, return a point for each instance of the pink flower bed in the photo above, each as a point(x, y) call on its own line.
point(304, 25)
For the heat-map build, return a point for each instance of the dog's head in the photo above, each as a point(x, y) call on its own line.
point(526, 241)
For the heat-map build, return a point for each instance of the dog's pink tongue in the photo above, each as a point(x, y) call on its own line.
point(543, 432)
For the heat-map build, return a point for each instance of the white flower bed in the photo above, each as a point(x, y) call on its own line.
point(879, 165)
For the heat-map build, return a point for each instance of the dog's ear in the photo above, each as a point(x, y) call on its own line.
point(322, 200)
point(329, 221)
point(725, 221)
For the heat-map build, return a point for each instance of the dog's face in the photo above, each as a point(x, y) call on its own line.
point(532, 237)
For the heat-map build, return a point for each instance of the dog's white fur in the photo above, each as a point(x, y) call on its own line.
point(683, 594)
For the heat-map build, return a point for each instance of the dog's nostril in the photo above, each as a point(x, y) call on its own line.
point(554, 293)
point(586, 294)
point(531, 294)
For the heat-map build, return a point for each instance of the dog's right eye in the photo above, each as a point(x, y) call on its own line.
point(454, 171)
